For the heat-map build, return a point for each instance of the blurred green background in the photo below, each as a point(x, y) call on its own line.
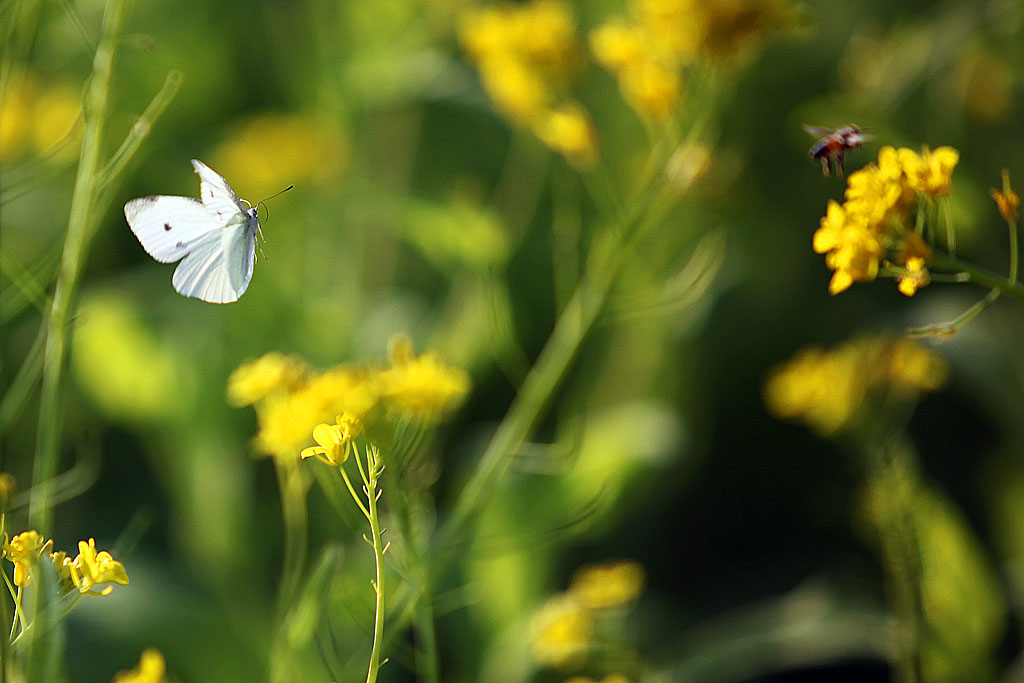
point(418, 208)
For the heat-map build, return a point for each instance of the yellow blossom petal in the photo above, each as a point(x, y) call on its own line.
point(255, 380)
point(560, 632)
point(24, 551)
point(601, 586)
point(151, 669)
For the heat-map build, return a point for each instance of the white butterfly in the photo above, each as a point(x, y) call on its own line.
point(215, 238)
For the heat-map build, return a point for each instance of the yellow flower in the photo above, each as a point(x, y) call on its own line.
point(568, 131)
point(915, 368)
point(560, 632)
point(618, 45)
point(525, 53)
point(827, 389)
point(852, 250)
point(600, 586)
point(518, 91)
point(912, 257)
point(62, 568)
point(271, 372)
point(24, 551)
point(421, 387)
point(91, 569)
point(264, 153)
point(334, 440)
point(151, 669)
point(8, 487)
point(651, 88)
point(930, 172)
point(35, 116)
point(286, 420)
point(823, 389)
point(1007, 201)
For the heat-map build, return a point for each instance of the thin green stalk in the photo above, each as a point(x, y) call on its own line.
point(72, 259)
point(974, 311)
point(426, 646)
point(538, 388)
point(292, 490)
point(374, 468)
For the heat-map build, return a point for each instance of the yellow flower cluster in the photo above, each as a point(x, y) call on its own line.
point(561, 631)
point(85, 572)
point(828, 388)
point(526, 54)
point(870, 228)
point(36, 116)
point(291, 402)
point(151, 669)
point(265, 152)
point(647, 51)
point(610, 678)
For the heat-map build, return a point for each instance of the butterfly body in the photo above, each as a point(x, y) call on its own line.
point(214, 238)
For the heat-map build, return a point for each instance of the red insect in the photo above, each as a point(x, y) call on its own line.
point(834, 144)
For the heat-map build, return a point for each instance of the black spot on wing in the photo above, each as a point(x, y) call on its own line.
point(167, 226)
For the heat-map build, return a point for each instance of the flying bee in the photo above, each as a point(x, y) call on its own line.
point(834, 144)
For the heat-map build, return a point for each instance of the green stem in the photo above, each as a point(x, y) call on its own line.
point(72, 259)
point(572, 327)
point(374, 467)
point(292, 490)
point(981, 276)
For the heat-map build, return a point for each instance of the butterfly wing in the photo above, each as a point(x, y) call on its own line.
point(219, 266)
point(218, 197)
point(168, 226)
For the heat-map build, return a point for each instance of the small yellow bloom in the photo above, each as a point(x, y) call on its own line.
point(8, 487)
point(151, 669)
point(912, 257)
point(334, 440)
point(619, 45)
point(91, 569)
point(915, 368)
point(560, 632)
point(930, 172)
point(1007, 201)
point(518, 91)
point(600, 586)
point(263, 153)
point(421, 386)
point(822, 388)
point(568, 131)
point(271, 372)
point(24, 551)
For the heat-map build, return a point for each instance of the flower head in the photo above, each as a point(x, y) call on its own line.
point(272, 372)
point(872, 225)
point(334, 440)
point(151, 669)
point(24, 551)
point(1007, 201)
point(560, 631)
point(600, 586)
point(827, 389)
point(421, 386)
point(91, 569)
